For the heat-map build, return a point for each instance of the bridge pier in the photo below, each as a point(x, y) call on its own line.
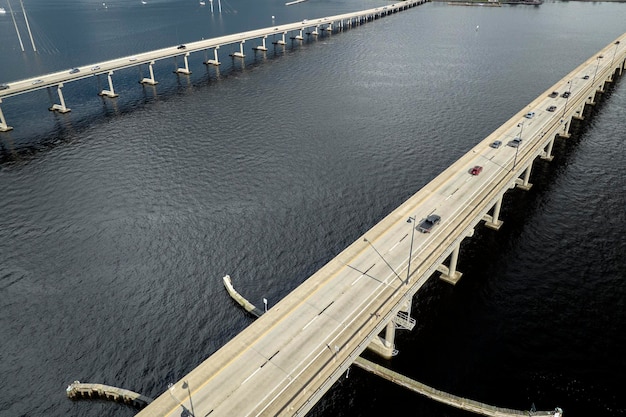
point(60, 107)
point(493, 221)
point(240, 53)
point(281, 41)
point(450, 274)
point(565, 134)
point(298, 36)
point(150, 80)
point(186, 69)
point(3, 123)
point(214, 61)
point(523, 183)
point(547, 155)
point(262, 47)
point(110, 92)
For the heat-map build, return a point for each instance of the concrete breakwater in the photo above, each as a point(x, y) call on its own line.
point(78, 390)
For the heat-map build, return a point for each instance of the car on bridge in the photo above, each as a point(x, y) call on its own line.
point(476, 170)
point(530, 115)
point(74, 70)
point(4, 87)
point(427, 224)
point(496, 144)
point(515, 142)
point(551, 108)
point(553, 94)
point(586, 77)
point(565, 94)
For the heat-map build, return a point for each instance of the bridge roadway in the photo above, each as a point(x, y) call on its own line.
point(285, 361)
point(57, 79)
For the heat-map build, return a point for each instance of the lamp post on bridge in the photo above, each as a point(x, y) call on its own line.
point(521, 124)
point(615, 51)
point(569, 89)
point(597, 65)
point(408, 268)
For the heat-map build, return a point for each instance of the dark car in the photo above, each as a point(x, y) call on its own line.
point(554, 94)
point(4, 87)
point(565, 94)
point(551, 108)
point(586, 77)
point(74, 70)
point(515, 142)
point(181, 47)
point(496, 144)
point(476, 170)
point(428, 223)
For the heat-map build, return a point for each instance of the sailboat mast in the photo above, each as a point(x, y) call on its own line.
point(32, 41)
point(19, 37)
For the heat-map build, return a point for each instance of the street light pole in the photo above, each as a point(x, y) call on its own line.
point(518, 145)
point(615, 51)
point(597, 65)
point(569, 89)
point(408, 269)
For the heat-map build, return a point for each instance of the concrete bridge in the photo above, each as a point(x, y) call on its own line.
point(288, 358)
point(259, 37)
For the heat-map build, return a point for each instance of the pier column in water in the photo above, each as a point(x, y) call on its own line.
point(186, 69)
point(299, 36)
point(214, 61)
point(547, 155)
point(262, 47)
point(281, 41)
point(3, 123)
point(60, 107)
point(523, 183)
point(150, 80)
point(239, 54)
point(110, 92)
point(493, 221)
point(452, 275)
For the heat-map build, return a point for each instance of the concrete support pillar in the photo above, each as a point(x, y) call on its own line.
point(452, 276)
point(390, 334)
point(186, 69)
point(214, 61)
point(524, 184)
point(564, 133)
point(240, 53)
point(60, 107)
point(110, 92)
point(299, 36)
point(315, 32)
point(493, 221)
point(3, 123)
point(578, 115)
point(547, 156)
point(150, 80)
point(262, 47)
point(282, 40)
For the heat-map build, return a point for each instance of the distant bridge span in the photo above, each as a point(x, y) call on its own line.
point(58, 79)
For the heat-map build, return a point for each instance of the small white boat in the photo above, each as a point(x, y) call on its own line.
point(202, 3)
point(2, 11)
point(289, 3)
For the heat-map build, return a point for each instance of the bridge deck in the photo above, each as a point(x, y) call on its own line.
point(285, 361)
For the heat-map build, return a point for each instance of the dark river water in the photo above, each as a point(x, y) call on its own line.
point(119, 219)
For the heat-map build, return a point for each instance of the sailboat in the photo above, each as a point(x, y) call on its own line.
point(202, 3)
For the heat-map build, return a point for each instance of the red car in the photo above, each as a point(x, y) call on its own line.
point(476, 170)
